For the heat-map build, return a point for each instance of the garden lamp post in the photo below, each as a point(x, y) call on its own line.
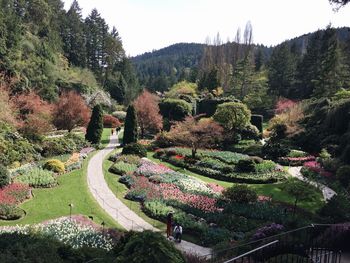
point(103, 227)
point(70, 210)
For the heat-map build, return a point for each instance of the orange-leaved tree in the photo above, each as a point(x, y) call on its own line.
point(35, 114)
point(196, 134)
point(147, 110)
point(71, 111)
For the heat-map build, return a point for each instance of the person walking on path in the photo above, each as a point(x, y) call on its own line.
point(178, 233)
point(169, 222)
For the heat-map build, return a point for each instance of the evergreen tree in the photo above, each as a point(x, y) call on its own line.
point(130, 128)
point(95, 127)
point(330, 75)
point(259, 59)
point(243, 77)
point(281, 71)
point(74, 36)
point(309, 67)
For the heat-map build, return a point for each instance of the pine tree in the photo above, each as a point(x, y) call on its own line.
point(95, 127)
point(281, 71)
point(330, 77)
point(74, 36)
point(130, 129)
point(309, 67)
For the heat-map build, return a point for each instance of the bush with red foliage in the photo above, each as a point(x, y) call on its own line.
point(110, 122)
point(283, 104)
point(14, 194)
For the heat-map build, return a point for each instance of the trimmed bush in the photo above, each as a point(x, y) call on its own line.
point(95, 127)
point(55, 166)
point(240, 194)
point(10, 212)
point(136, 149)
point(246, 166)
point(4, 176)
point(175, 109)
point(343, 175)
point(130, 129)
point(120, 115)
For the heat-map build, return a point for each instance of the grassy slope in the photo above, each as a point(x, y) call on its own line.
point(120, 190)
point(52, 203)
point(273, 190)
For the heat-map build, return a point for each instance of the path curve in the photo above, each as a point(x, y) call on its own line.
point(327, 192)
point(105, 197)
point(116, 209)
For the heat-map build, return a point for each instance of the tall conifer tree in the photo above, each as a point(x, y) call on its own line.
point(95, 127)
point(130, 129)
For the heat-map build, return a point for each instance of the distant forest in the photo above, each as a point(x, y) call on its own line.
point(290, 69)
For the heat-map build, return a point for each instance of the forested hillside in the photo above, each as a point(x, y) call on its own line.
point(160, 69)
point(46, 49)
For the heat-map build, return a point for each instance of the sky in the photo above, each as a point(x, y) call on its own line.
point(146, 25)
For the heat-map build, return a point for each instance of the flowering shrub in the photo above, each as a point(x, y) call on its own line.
point(216, 188)
point(283, 105)
point(316, 168)
point(70, 232)
point(268, 230)
point(14, 194)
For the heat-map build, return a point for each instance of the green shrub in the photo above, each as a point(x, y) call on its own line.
point(337, 209)
point(297, 153)
point(246, 166)
point(122, 168)
point(37, 177)
point(273, 150)
point(4, 176)
point(129, 158)
point(54, 165)
point(135, 149)
point(257, 121)
point(240, 194)
point(343, 175)
point(175, 109)
point(148, 246)
point(10, 212)
point(266, 166)
point(67, 144)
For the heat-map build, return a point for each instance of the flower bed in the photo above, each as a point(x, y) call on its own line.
point(68, 231)
point(10, 197)
point(296, 161)
point(221, 165)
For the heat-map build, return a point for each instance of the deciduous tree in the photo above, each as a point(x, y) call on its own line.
point(70, 111)
point(147, 111)
point(35, 114)
point(196, 134)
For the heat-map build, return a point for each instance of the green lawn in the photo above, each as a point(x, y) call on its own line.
point(272, 190)
point(53, 203)
point(120, 190)
point(105, 137)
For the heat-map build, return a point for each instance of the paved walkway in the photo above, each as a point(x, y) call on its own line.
point(116, 209)
point(327, 192)
point(105, 197)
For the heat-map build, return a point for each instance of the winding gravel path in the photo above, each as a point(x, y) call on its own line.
point(327, 192)
point(116, 209)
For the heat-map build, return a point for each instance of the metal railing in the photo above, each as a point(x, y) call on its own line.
point(311, 243)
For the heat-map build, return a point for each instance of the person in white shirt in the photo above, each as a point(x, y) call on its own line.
point(178, 232)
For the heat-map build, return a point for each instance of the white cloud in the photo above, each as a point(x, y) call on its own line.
point(145, 25)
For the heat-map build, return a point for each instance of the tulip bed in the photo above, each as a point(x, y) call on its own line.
point(197, 206)
point(69, 231)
